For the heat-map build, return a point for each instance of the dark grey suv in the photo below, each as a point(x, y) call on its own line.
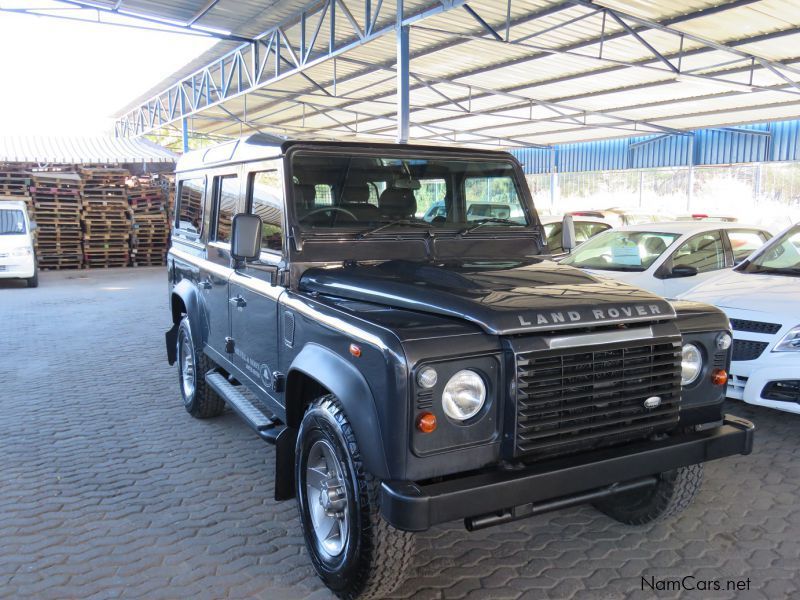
point(413, 372)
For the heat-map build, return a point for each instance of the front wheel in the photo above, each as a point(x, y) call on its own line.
point(33, 282)
point(354, 551)
point(672, 494)
point(199, 399)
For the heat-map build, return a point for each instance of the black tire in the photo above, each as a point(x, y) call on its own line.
point(33, 281)
point(374, 556)
point(199, 399)
point(672, 494)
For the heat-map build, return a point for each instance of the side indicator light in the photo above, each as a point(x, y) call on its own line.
point(426, 422)
point(719, 377)
point(355, 350)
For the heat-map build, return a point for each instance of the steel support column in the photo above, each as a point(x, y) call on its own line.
point(403, 97)
point(185, 133)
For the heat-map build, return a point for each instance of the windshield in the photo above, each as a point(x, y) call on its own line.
point(781, 256)
point(12, 222)
point(621, 250)
point(370, 195)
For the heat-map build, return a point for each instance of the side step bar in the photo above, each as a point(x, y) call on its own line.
point(251, 414)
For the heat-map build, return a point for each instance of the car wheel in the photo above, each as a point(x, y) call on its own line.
point(33, 282)
point(199, 399)
point(354, 551)
point(672, 494)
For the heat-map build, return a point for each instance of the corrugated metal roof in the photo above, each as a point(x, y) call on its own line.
point(570, 71)
point(82, 150)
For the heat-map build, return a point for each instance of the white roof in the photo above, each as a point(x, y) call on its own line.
point(82, 150)
point(688, 227)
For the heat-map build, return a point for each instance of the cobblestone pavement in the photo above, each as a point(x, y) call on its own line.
point(109, 489)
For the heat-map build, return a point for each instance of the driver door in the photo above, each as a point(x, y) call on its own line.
point(255, 290)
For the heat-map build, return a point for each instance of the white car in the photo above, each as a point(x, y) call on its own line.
point(762, 299)
point(585, 228)
point(17, 258)
point(667, 258)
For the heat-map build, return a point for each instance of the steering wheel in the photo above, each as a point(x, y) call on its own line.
point(316, 211)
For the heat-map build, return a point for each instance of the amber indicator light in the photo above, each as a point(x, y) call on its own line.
point(355, 350)
point(426, 422)
point(719, 377)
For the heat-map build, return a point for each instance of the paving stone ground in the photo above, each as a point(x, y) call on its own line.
point(109, 489)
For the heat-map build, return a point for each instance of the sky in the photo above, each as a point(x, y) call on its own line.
point(67, 78)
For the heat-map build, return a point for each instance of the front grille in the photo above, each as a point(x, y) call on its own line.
point(579, 399)
point(755, 326)
point(747, 349)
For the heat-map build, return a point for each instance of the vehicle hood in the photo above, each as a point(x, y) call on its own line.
point(776, 294)
point(502, 298)
point(17, 240)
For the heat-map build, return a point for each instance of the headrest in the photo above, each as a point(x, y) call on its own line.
point(356, 194)
point(305, 194)
point(397, 203)
point(655, 245)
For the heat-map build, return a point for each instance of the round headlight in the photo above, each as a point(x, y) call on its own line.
point(724, 340)
point(691, 364)
point(464, 395)
point(427, 378)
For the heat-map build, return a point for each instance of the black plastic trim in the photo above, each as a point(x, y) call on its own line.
point(414, 507)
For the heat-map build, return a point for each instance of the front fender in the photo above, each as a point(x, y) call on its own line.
point(349, 386)
point(185, 299)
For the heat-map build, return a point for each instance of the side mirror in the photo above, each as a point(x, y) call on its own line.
point(568, 234)
point(246, 237)
point(34, 226)
point(683, 271)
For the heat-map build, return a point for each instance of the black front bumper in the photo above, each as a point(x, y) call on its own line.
point(413, 507)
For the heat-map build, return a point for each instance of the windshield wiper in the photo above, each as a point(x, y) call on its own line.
point(482, 222)
point(405, 222)
point(775, 270)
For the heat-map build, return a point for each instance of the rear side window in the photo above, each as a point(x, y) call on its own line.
point(265, 200)
point(226, 196)
point(744, 242)
point(189, 211)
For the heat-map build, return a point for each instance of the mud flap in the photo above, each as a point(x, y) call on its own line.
point(171, 338)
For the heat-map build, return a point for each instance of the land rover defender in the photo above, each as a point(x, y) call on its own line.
point(412, 372)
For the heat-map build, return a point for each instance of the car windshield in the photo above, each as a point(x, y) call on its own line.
point(12, 222)
point(376, 195)
point(781, 256)
point(621, 250)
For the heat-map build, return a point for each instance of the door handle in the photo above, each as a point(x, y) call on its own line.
point(206, 284)
point(238, 302)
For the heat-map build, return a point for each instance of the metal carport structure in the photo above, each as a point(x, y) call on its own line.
point(487, 72)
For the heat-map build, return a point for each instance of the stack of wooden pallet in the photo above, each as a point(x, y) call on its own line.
point(57, 204)
point(15, 180)
point(105, 216)
point(150, 227)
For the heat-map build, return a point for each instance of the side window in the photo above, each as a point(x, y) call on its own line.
point(587, 229)
point(189, 212)
point(266, 200)
point(744, 242)
point(226, 195)
point(704, 252)
point(323, 195)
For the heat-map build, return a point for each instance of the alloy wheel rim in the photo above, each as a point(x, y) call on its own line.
point(187, 369)
point(326, 498)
